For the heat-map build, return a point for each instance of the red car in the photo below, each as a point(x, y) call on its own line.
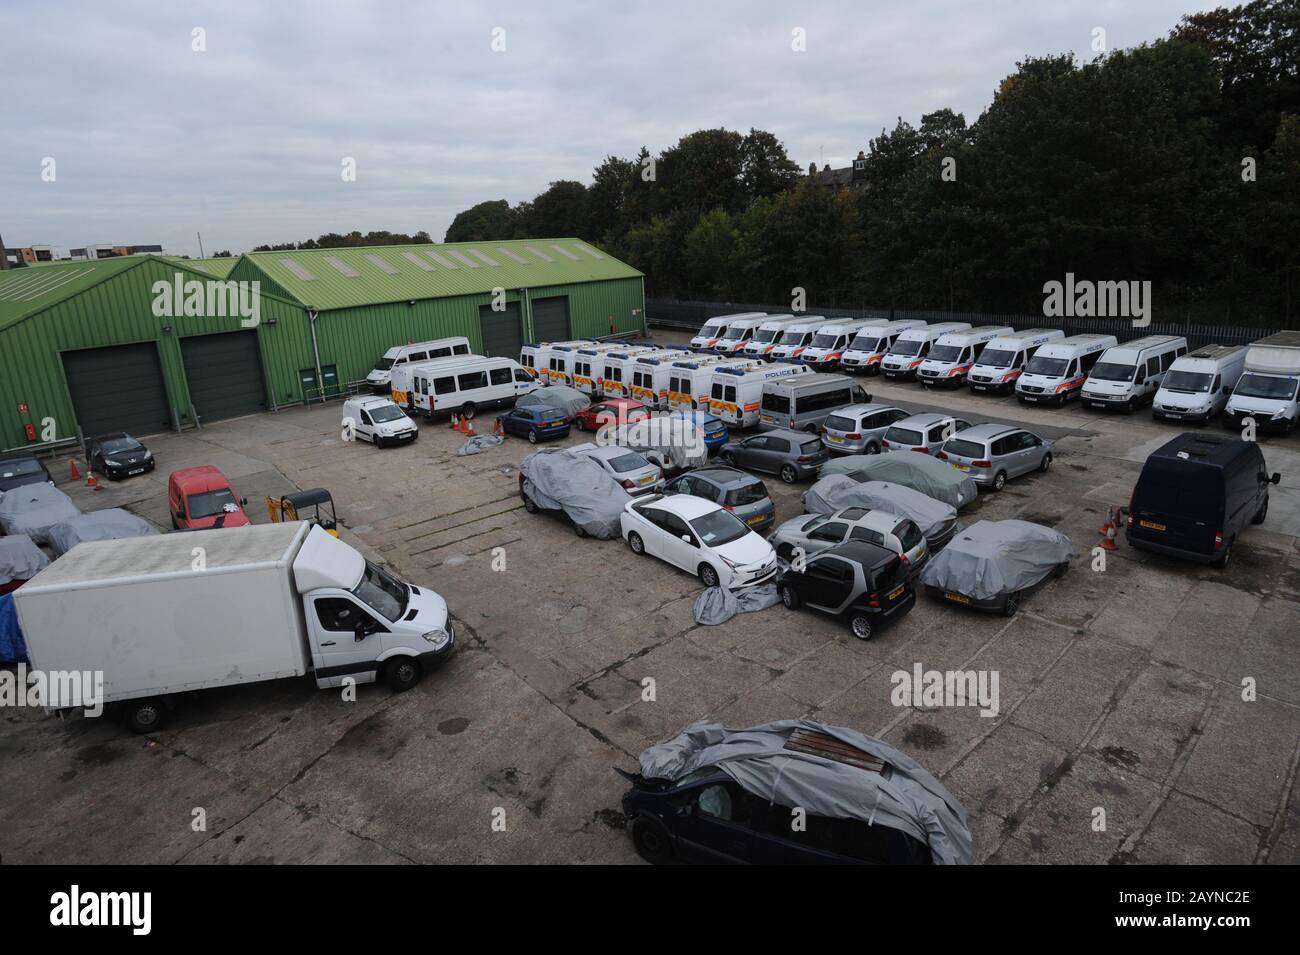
point(611, 411)
point(202, 497)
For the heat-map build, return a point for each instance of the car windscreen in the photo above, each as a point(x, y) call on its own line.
point(792, 338)
point(965, 449)
point(746, 494)
point(840, 423)
point(1051, 367)
point(997, 358)
point(386, 413)
point(627, 462)
point(824, 341)
point(1112, 371)
point(904, 436)
point(1265, 386)
point(1190, 381)
point(718, 527)
point(384, 364)
point(211, 503)
point(383, 594)
point(945, 353)
point(866, 343)
point(906, 346)
point(19, 468)
point(119, 445)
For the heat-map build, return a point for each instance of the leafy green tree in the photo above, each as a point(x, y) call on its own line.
point(488, 220)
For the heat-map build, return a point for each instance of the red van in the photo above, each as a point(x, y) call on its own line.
point(202, 497)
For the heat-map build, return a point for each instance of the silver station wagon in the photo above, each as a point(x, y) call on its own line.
point(859, 429)
point(992, 453)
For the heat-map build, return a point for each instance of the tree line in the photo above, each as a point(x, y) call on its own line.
point(1175, 162)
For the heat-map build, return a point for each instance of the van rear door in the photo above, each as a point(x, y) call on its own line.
point(1180, 507)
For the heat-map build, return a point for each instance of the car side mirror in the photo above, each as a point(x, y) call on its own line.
point(688, 539)
point(1276, 478)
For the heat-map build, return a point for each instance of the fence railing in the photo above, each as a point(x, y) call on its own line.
point(673, 313)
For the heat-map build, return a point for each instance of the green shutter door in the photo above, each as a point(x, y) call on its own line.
point(501, 332)
point(119, 388)
point(551, 319)
point(224, 373)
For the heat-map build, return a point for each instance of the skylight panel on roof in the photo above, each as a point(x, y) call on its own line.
point(565, 252)
point(484, 257)
point(462, 257)
point(418, 262)
point(589, 250)
point(27, 287)
point(342, 267)
point(511, 254)
point(381, 264)
point(445, 263)
point(296, 268)
point(541, 255)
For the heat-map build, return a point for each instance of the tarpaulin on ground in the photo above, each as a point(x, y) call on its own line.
point(935, 518)
point(920, 472)
point(33, 509)
point(20, 559)
point(558, 480)
point(12, 647)
point(110, 524)
point(480, 442)
point(718, 604)
point(992, 558)
point(566, 399)
point(907, 797)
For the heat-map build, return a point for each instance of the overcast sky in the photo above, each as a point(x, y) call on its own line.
point(244, 142)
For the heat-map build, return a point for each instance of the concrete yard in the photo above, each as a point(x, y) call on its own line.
point(1121, 690)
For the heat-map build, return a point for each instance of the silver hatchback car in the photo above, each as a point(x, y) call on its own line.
point(813, 533)
point(922, 432)
point(859, 429)
point(992, 453)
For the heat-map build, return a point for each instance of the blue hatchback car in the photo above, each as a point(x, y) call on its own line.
point(539, 423)
point(715, 431)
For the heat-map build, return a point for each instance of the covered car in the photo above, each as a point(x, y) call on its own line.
point(33, 509)
point(920, 472)
point(828, 771)
point(674, 444)
point(937, 520)
point(992, 564)
point(569, 400)
point(113, 523)
point(20, 561)
point(559, 480)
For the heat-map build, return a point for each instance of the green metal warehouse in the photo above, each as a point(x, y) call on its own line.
point(105, 345)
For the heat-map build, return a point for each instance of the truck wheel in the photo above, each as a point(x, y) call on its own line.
point(145, 716)
point(651, 840)
point(402, 673)
point(467, 410)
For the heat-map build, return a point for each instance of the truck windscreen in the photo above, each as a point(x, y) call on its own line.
point(1265, 386)
point(383, 594)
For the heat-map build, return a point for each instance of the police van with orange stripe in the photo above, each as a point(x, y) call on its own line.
point(1058, 370)
point(690, 381)
point(648, 379)
point(614, 373)
point(953, 355)
point(736, 391)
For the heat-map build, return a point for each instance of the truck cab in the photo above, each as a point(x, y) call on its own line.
point(200, 498)
point(1269, 390)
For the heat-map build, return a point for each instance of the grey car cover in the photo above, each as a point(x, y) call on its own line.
point(718, 604)
point(480, 442)
point(906, 797)
point(920, 472)
point(558, 480)
point(829, 494)
point(992, 558)
point(110, 524)
point(20, 559)
point(566, 399)
point(33, 509)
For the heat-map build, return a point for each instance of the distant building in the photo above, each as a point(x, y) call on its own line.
point(29, 255)
point(850, 177)
point(107, 250)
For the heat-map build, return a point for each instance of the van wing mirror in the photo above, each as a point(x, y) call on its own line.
point(1276, 478)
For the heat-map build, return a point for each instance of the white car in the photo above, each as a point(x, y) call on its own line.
point(699, 537)
point(629, 469)
point(378, 420)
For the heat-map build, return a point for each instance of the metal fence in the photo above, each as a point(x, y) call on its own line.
point(673, 313)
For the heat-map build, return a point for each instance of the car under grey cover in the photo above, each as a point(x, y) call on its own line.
point(110, 524)
point(20, 559)
point(33, 509)
point(837, 491)
point(920, 472)
point(561, 397)
point(993, 558)
point(908, 798)
point(558, 480)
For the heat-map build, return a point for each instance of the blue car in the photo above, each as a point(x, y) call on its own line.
point(715, 432)
point(539, 423)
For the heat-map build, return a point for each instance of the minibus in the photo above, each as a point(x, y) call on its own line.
point(738, 334)
point(871, 344)
point(913, 346)
point(534, 357)
point(460, 384)
point(1130, 374)
point(952, 356)
point(1057, 371)
point(1003, 359)
point(804, 402)
point(832, 339)
point(647, 378)
point(690, 382)
point(1197, 386)
point(766, 334)
point(795, 338)
point(736, 391)
point(380, 379)
point(713, 329)
point(614, 374)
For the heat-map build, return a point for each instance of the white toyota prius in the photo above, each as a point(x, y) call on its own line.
point(700, 537)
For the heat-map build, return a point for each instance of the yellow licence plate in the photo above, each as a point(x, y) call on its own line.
point(1152, 525)
point(957, 598)
point(835, 440)
point(896, 593)
point(962, 467)
point(647, 479)
point(757, 518)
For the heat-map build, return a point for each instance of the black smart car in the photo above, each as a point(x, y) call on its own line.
point(20, 470)
point(864, 583)
point(118, 456)
point(1196, 494)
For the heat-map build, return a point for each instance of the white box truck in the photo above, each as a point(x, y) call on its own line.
point(1267, 389)
point(162, 616)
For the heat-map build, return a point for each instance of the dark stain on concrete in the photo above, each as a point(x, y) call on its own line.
point(924, 736)
point(451, 727)
point(1119, 756)
point(98, 754)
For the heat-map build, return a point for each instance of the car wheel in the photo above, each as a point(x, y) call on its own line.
point(1046, 463)
point(467, 410)
point(532, 436)
point(402, 673)
point(708, 576)
point(1222, 562)
point(727, 458)
point(1263, 512)
point(788, 474)
point(1060, 569)
point(529, 504)
point(785, 552)
point(144, 716)
point(789, 596)
point(872, 448)
point(1011, 606)
point(579, 530)
point(999, 480)
point(635, 542)
point(860, 626)
point(651, 841)
point(1130, 406)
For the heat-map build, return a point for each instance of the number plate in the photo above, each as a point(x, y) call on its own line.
point(835, 440)
point(1030, 397)
point(1152, 525)
point(1175, 417)
point(136, 471)
point(957, 598)
point(896, 593)
point(961, 467)
point(756, 519)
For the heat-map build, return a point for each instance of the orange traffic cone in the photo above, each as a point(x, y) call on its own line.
point(455, 421)
point(75, 475)
point(90, 480)
point(1107, 532)
point(466, 427)
point(498, 429)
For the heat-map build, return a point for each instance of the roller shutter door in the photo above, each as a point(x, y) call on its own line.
point(551, 319)
point(224, 373)
point(502, 336)
point(119, 388)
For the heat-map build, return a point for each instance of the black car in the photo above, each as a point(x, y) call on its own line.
point(1196, 494)
point(863, 583)
point(118, 456)
point(20, 470)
